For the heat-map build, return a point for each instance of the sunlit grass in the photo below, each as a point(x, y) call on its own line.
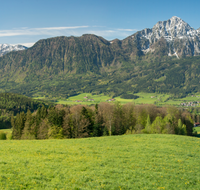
point(150, 98)
point(144, 98)
point(79, 99)
point(117, 162)
point(197, 129)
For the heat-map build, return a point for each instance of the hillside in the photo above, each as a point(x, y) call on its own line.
point(13, 104)
point(126, 162)
point(147, 61)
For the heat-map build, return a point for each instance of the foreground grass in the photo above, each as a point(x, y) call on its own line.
point(117, 162)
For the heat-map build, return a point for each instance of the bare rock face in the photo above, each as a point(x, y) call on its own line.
point(6, 48)
point(181, 38)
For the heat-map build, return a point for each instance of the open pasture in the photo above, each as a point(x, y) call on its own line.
point(197, 130)
point(81, 99)
point(150, 98)
point(144, 98)
point(116, 162)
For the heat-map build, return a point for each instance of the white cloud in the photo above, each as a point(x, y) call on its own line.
point(39, 31)
point(128, 30)
point(114, 33)
point(62, 28)
point(27, 44)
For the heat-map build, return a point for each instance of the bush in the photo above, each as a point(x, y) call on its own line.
point(129, 96)
point(3, 136)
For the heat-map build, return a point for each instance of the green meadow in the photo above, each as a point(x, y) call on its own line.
point(197, 129)
point(116, 162)
point(144, 98)
point(79, 99)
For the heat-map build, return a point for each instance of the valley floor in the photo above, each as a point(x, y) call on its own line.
point(144, 98)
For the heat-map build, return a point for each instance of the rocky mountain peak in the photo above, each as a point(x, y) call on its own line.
point(172, 28)
point(182, 39)
point(6, 48)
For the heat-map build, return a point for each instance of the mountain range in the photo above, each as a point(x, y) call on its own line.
point(6, 48)
point(162, 59)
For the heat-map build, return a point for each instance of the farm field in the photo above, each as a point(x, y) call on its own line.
point(79, 99)
point(116, 162)
point(144, 98)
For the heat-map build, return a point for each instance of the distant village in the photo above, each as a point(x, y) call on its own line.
point(191, 104)
point(187, 104)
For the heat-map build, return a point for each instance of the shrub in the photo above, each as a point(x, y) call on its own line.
point(3, 136)
point(129, 96)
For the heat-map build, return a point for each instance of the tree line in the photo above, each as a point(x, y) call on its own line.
point(102, 119)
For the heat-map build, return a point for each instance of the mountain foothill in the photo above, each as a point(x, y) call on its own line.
point(163, 59)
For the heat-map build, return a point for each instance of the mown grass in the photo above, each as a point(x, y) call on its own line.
point(117, 162)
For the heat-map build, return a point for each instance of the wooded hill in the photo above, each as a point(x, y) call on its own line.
point(11, 104)
point(65, 66)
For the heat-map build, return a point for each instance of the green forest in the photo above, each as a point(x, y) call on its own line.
point(11, 104)
point(102, 119)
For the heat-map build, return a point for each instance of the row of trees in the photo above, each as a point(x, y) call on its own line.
point(100, 120)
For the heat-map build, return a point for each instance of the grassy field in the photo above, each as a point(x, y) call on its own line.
point(144, 98)
point(197, 130)
point(79, 99)
point(150, 98)
point(117, 162)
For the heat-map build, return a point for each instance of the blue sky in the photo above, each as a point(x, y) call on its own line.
point(27, 21)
